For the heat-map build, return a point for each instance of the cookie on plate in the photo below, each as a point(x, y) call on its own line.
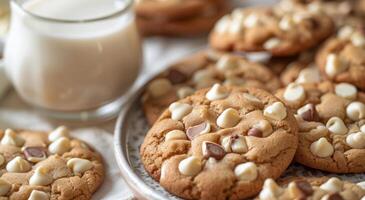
point(314, 188)
point(179, 18)
point(220, 143)
point(41, 166)
point(342, 58)
point(279, 31)
point(202, 70)
point(331, 120)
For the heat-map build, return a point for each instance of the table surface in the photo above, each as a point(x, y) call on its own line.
point(158, 53)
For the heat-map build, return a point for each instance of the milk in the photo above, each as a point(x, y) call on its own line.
point(72, 66)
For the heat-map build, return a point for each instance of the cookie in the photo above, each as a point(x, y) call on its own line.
point(313, 188)
point(331, 119)
point(281, 32)
point(200, 23)
point(41, 166)
point(220, 143)
point(342, 58)
point(202, 70)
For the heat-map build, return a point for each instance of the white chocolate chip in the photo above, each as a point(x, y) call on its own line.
point(355, 111)
point(361, 185)
point(175, 135)
point(38, 195)
point(251, 21)
point(59, 132)
point(362, 128)
point(309, 75)
point(79, 165)
point(184, 92)
point(229, 118)
point(4, 187)
point(251, 98)
point(336, 126)
point(294, 92)
point(315, 7)
point(217, 92)
point(345, 32)
point(300, 16)
point(60, 146)
point(334, 65)
point(322, 148)
point(223, 25)
point(332, 185)
point(286, 23)
point(179, 110)
point(271, 190)
point(239, 145)
point(356, 140)
point(358, 39)
point(236, 26)
point(264, 126)
point(346, 90)
point(190, 166)
point(246, 171)
point(11, 138)
point(272, 43)
point(202, 74)
point(41, 177)
point(18, 164)
point(226, 143)
point(227, 62)
point(238, 14)
point(159, 87)
point(276, 111)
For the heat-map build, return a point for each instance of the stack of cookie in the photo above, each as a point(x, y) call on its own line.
point(179, 17)
point(224, 127)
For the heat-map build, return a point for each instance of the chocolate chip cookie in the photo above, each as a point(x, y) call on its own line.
point(179, 18)
point(282, 32)
point(41, 166)
point(220, 143)
point(331, 119)
point(313, 188)
point(202, 70)
point(342, 58)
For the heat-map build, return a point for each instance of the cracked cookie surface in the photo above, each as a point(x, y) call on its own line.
point(314, 188)
point(41, 166)
point(199, 71)
point(331, 119)
point(220, 143)
point(280, 31)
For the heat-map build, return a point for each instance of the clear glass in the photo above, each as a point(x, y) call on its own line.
point(73, 68)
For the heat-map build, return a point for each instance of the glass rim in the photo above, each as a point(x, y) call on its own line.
point(70, 21)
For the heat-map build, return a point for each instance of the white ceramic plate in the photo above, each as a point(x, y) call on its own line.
point(130, 130)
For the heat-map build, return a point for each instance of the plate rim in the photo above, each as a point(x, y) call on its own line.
point(135, 183)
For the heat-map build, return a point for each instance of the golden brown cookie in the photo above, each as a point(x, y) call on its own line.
point(202, 70)
point(181, 25)
point(331, 119)
point(313, 188)
point(279, 31)
point(41, 166)
point(220, 143)
point(342, 58)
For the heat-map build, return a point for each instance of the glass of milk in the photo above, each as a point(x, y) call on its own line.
point(73, 59)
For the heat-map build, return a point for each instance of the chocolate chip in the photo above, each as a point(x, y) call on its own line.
point(194, 131)
point(335, 196)
point(304, 187)
point(35, 153)
point(255, 132)
point(311, 114)
point(175, 76)
point(214, 150)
